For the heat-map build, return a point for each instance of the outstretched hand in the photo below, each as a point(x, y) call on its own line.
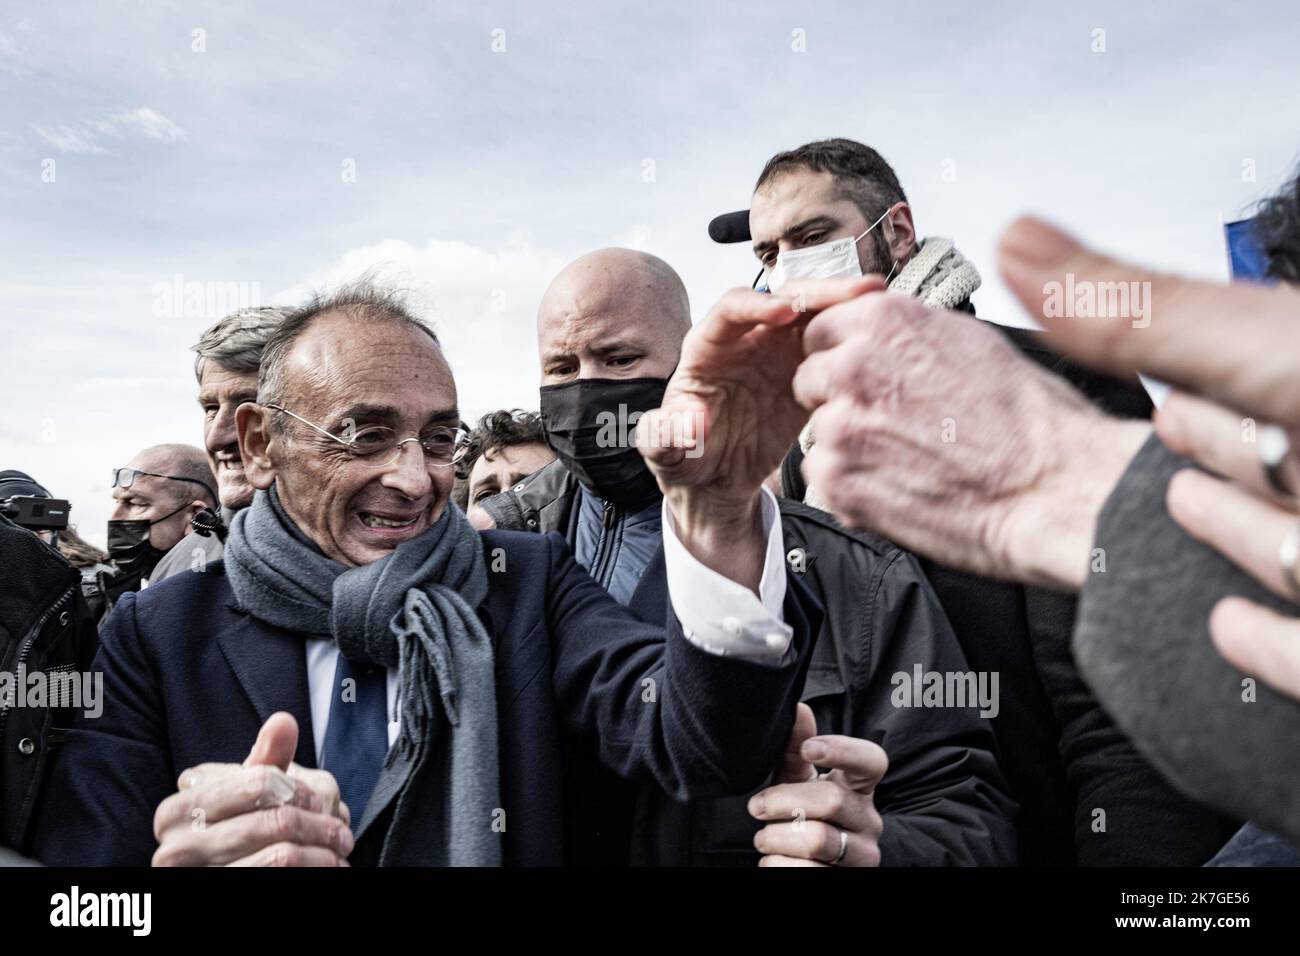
point(729, 416)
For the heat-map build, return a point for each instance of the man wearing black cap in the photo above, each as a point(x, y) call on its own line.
point(18, 485)
point(45, 627)
point(835, 208)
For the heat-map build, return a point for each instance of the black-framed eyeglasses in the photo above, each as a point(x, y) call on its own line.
point(125, 478)
point(379, 446)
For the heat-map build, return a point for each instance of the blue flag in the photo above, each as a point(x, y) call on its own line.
point(1246, 260)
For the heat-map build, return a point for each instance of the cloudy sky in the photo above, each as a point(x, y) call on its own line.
point(256, 151)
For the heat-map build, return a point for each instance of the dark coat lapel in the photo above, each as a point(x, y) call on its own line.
point(650, 599)
point(270, 665)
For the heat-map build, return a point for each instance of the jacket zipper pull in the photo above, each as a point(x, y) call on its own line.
point(607, 518)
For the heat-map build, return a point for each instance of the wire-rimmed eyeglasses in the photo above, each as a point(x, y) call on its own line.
point(378, 445)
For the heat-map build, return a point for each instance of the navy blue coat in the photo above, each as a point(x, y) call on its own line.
point(190, 678)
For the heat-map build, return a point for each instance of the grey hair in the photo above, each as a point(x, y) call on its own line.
point(362, 299)
point(236, 342)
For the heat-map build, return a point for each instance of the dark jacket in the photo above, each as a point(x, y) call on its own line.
point(46, 627)
point(1064, 758)
point(190, 678)
point(943, 800)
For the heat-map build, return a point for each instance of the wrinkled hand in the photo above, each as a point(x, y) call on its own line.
point(933, 430)
point(1233, 353)
point(266, 812)
point(809, 811)
point(729, 415)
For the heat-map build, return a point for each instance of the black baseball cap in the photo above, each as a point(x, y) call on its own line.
point(19, 483)
point(730, 227)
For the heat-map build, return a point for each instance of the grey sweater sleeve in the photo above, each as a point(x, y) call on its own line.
point(1142, 642)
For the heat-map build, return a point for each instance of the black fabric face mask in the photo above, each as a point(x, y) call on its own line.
point(129, 549)
point(586, 425)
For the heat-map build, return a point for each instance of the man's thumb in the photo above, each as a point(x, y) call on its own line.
point(276, 742)
point(794, 769)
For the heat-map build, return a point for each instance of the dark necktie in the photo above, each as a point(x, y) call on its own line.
point(356, 737)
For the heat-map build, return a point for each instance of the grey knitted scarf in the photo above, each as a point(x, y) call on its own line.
point(413, 610)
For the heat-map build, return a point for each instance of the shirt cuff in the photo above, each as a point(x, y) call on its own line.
point(721, 616)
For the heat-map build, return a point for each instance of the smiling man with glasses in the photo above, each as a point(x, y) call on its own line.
point(364, 677)
point(377, 446)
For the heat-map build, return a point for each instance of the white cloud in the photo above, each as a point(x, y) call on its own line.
point(69, 139)
point(141, 123)
point(14, 61)
point(148, 123)
point(481, 302)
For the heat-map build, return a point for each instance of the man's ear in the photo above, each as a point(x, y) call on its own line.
point(253, 423)
point(900, 232)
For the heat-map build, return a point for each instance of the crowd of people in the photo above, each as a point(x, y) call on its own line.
point(841, 575)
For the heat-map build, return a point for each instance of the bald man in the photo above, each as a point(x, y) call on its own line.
point(610, 330)
point(154, 497)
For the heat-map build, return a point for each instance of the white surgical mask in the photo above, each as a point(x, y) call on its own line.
point(829, 260)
